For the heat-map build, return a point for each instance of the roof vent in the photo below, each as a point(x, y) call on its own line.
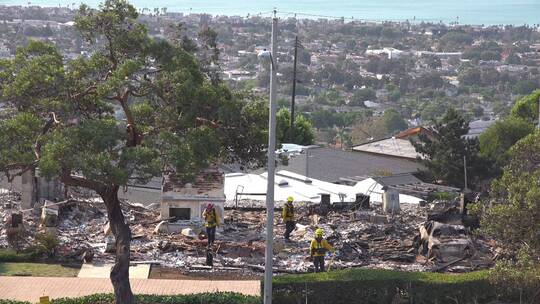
point(283, 183)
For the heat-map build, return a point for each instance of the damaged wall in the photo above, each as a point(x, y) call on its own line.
point(196, 205)
point(207, 188)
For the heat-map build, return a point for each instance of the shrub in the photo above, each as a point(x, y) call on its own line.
point(520, 275)
point(203, 298)
point(47, 243)
point(8, 255)
point(361, 286)
point(15, 237)
point(442, 195)
point(11, 302)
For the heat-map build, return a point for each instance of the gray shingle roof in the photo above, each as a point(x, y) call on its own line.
point(330, 165)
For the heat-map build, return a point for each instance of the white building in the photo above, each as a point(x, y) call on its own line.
point(392, 53)
point(442, 55)
point(238, 74)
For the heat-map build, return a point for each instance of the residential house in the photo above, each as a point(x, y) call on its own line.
point(331, 165)
point(477, 127)
point(398, 146)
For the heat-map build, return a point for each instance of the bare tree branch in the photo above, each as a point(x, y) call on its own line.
point(78, 181)
point(46, 128)
point(90, 90)
point(18, 166)
point(213, 124)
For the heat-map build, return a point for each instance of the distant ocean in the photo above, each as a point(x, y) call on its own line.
point(488, 12)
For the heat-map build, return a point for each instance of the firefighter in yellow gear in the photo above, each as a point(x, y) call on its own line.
point(318, 248)
point(211, 221)
point(288, 217)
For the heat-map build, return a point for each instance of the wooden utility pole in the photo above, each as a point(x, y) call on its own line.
point(291, 129)
point(465, 172)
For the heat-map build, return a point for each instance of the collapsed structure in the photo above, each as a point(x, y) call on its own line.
point(365, 235)
point(382, 222)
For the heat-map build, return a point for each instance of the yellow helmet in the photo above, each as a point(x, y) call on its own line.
point(319, 232)
point(290, 199)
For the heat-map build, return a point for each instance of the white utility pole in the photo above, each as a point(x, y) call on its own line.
point(307, 163)
point(269, 255)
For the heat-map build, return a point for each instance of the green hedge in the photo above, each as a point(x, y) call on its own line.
point(203, 298)
point(8, 255)
point(361, 286)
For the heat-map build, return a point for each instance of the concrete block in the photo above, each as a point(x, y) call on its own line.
point(28, 189)
point(49, 214)
point(391, 201)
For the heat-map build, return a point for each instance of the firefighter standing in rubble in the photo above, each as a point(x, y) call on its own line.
point(211, 219)
point(318, 248)
point(288, 217)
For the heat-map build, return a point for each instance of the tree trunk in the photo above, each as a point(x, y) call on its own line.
point(122, 233)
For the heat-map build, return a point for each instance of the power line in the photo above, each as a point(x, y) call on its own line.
point(352, 18)
point(318, 16)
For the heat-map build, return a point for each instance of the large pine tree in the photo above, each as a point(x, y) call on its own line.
point(63, 115)
point(445, 151)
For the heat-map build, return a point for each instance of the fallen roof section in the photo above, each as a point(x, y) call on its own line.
point(253, 187)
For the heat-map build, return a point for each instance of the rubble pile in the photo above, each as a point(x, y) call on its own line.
point(14, 228)
point(362, 237)
point(7, 201)
point(83, 227)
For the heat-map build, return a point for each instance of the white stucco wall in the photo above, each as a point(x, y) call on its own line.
point(197, 207)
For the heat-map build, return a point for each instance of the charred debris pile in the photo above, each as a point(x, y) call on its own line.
point(427, 237)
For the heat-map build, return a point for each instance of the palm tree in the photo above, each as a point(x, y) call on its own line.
point(343, 138)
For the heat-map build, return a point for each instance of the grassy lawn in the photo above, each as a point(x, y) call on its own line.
point(37, 270)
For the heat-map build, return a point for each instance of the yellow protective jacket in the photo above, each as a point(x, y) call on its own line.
point(319, 248)
point(211, 218)
point(288, 213)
